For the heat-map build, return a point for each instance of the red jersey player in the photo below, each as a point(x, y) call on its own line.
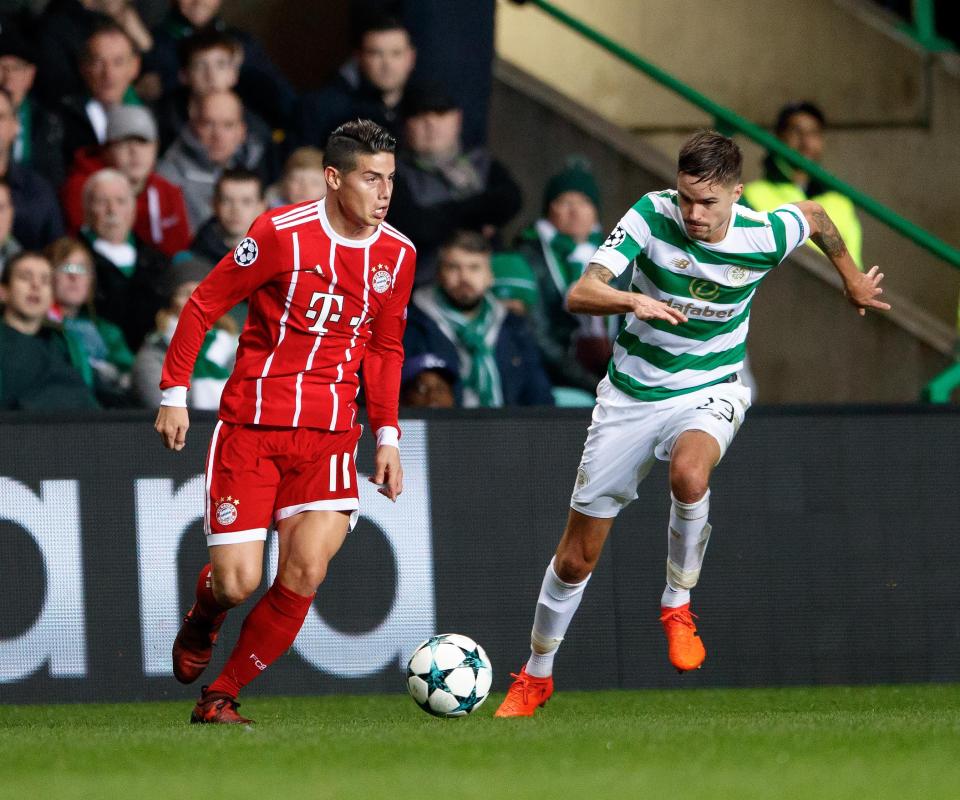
point(328, 284)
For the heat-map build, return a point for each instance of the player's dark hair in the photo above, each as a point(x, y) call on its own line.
point(802, 107)
point(7, 275)
point(711, 157)
point(359, 137)
point(207, 39)
point(471, 241)
point(240, 174)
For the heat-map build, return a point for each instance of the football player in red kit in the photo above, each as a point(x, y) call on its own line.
point(327, 283)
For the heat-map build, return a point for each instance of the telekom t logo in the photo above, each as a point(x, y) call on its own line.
point(326, 312)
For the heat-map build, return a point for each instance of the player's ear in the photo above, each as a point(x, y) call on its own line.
point(333, 178)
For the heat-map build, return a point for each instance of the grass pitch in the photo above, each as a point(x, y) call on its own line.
point(775, 744)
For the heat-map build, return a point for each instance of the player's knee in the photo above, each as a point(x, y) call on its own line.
point(303, 578)
point(572, 566)
point(232, 587)
point(689, 481)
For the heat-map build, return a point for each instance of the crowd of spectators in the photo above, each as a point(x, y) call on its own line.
point(132, 159)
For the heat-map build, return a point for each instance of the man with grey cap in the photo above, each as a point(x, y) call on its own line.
point(131, 148)
point(131, 275)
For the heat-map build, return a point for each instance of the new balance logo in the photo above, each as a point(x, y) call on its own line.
point(681, 263)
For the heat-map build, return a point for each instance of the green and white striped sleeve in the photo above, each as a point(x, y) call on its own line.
point(790, 229)
point(624, 243)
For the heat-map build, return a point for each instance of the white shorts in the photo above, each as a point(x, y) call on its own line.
point(626, 436)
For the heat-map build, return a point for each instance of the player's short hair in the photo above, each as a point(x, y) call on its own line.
point(801, 107)
point(471, 241)
point(209, 39)
point(355, 138)
point(239, 174)
point(711, 157)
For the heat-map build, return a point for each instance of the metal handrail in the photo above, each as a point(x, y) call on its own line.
point(729, 121)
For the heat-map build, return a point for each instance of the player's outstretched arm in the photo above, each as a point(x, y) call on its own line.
point(861, 288)
point(172, 424)
point(593, 294)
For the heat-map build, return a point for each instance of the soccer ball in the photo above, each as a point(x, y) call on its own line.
point(449, 675)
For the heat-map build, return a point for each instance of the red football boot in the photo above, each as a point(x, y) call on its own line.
point(193, 646)
point(215, 708)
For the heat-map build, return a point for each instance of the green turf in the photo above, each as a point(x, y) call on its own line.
point(775, 744)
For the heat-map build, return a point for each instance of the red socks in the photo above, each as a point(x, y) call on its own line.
point(207, 607)
point(267, 633)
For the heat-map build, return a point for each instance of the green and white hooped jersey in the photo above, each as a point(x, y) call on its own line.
point(712, 284)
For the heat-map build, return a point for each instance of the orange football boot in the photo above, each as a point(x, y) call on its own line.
point(685, 648)
point(526, 695)
point(217, 709)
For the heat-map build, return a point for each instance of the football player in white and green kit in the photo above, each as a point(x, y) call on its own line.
point(671, 392)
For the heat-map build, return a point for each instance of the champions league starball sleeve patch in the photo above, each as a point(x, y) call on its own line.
point(246, 252)
point(615, 239)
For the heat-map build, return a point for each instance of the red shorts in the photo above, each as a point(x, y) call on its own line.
point(257, 476)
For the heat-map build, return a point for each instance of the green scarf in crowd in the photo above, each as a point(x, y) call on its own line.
point(483, 378)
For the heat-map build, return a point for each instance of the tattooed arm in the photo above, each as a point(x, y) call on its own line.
point(593, 294)
point(861, 289)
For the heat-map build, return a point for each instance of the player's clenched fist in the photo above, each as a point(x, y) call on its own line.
point(172, 424)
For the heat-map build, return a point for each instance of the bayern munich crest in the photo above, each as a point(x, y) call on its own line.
point(227, 510)
point(382, 281)
point(246, 252)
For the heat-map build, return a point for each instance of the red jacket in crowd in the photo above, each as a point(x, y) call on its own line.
point(161, 213)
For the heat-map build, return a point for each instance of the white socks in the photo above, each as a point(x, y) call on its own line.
point(557, 604)
point(686, 544)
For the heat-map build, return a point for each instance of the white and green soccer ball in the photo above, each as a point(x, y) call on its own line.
point(449, 675)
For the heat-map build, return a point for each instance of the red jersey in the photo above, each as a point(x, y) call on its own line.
point(319, 304)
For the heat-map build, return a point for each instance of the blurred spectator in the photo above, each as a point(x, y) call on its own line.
point(463, 324)
point(439, 187)
point(109, 64)
point(800, 126)
point(9, 246)
point(37, 361)
point(217, 354)
point(39, 142)
point(129, 274)
point(62, 32)
point(427, 382)
point(262, 86)
point(302, 179)
point(108, 360)
point(216, 139)
point(385, 58)
point(131, 148)
point(237, 202)
point(557, 249)
point(36, 218)
point(514, 283)
point(209, 62)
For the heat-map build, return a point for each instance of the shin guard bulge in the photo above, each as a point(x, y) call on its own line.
point(267, 633)
point(557, 604)
point(686, 544)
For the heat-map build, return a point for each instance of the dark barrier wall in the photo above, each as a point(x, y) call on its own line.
point(833, 559)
